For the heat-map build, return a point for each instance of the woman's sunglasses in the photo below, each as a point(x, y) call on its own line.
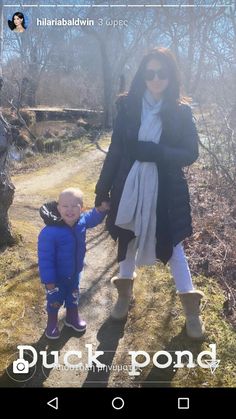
point(161, 73)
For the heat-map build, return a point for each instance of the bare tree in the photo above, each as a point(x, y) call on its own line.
point(6, 187)
point(119, 37)
point(1, 45)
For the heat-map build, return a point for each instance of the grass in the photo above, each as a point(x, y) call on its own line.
point(18, 300)
point(20, 291)
point(156, 323)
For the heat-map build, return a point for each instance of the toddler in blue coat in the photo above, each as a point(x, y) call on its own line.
point(61, 252)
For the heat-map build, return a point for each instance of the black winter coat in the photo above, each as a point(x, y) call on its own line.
point(178, 147)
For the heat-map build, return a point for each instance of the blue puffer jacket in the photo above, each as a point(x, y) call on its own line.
point(61, 249)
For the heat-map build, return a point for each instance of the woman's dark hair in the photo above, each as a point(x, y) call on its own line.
point(166, 58)
point(11, 23)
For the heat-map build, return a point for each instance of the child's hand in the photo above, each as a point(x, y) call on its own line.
point(105, 206)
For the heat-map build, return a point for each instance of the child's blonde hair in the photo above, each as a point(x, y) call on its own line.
point(76, 192)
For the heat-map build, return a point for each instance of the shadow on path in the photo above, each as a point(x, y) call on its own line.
point(108, 335)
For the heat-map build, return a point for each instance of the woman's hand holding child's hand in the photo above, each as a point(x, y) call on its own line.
point(105, 206)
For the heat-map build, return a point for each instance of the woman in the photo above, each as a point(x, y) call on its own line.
point(17, 24)
point(154, 137)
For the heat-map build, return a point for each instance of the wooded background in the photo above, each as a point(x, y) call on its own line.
point(87, 66)
point(82, 66)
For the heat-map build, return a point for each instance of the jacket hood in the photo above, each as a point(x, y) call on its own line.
point(50, 215)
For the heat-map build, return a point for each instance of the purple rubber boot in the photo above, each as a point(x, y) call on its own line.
point(73, 320)
point(52, 331)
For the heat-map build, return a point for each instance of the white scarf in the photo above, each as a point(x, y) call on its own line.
point(137, 208)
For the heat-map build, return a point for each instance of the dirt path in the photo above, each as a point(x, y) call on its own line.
point(33, 187)
point(96, 293)
point(155, 322)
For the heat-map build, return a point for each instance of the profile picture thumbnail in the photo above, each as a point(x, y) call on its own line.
point(18, 22)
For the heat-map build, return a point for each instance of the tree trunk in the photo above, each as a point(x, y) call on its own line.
point(1, 35)
point(33, 80)
point(1, 46)
point(107, 88)
point(6, 198)
point(6, 187)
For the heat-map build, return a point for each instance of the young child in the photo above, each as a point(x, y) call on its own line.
point(61, 252)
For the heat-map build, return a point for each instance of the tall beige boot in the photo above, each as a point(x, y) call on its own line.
point(191, 303)
point(124, 287)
